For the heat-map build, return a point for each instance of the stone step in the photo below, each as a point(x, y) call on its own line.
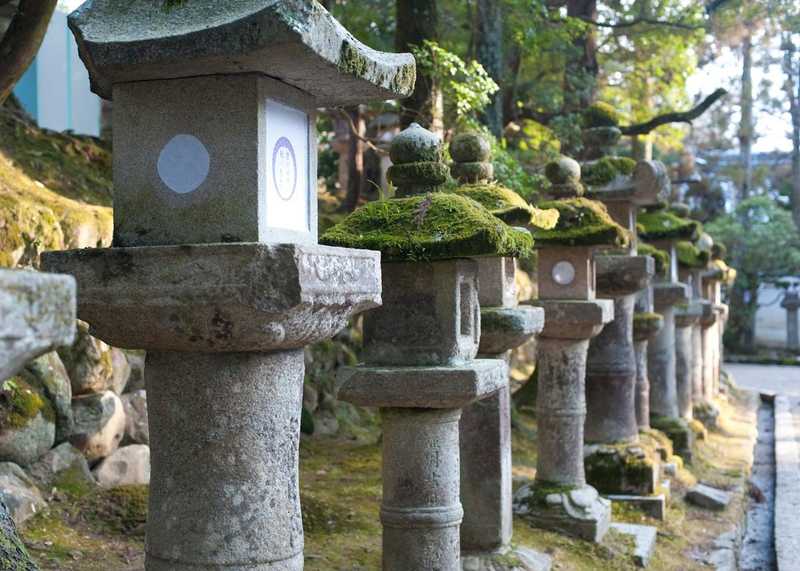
point(654, 506)
point(708, 497)
point(787, 486)
point(644, 537)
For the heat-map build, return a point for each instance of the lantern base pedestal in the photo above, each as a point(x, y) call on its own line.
point(507, 558)
point(579, 512)
point(622, 468)
point(679, 432)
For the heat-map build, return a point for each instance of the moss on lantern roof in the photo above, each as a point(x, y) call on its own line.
point(691, 256)
point(602, 171)
point(664, 225)
point(507, 205)
point(600, 115)
point(436, 226)
point(581, 222)
point(646, 324)
point(661, 257)
point(723, 272)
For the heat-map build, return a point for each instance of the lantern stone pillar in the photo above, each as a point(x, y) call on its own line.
point(37, 314)
point(686, 317)
point(215, 268)
point(420, 347)
point(645, 326)
point(791, 303)
point(560, 498)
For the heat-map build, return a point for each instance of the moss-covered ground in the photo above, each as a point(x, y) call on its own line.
point(341, 489)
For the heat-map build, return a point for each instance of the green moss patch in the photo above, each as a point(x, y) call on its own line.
point(677, 431)
point(622, 469)
point(605, 170)
point(507, 205)
point(600, 115)
point(20, 403)
point(646, 324)
point(122, 510)
point(437, 226)
point(664, 225)
point(691, 256)
point(661, 257)
point(581, 222)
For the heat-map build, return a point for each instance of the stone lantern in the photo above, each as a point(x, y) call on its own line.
point(420, 346)
point(663, 230)
point(37, 314)
point(791, 303)
point(215, 269)
point(560, 498)
point(485, 428)
point(718, 273)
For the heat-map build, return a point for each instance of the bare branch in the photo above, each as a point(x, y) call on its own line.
point(644, 20)
point(354, 132)
point(22, 40)
point(675, 116)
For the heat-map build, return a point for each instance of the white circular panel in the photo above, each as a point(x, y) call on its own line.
point(563, 273)
point(284, 168)
point(184, 163)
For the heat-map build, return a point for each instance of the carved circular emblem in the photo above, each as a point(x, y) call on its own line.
point(183, 164)
point(563, 273)
point(284, 168)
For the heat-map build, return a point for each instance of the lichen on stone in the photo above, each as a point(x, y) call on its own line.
point(646, 324)
point(507, 205)
point(581, 222)
point(621, 468)
point(436, 226)
point(664, 225)
point(661, 257)
point(20, 403)
point(690, 256)
point(676, 430)
point(603, 171)
point(600, 115)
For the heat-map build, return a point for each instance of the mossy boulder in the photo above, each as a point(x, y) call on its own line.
point(581, 222)
point(603, 171)
point(690, 256)
point(436, 226)
point(27, 422)
point(88, 362)
point(622, 468)
point(48, 373)
point(664, 225)
point(600, 115)
point(661, 257)
point(507, 205)
point(646, 324)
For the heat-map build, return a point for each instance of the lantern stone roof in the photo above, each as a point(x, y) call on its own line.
point(294, 41)
point(581, 222)
point(664, 225)
point(690, 256)
point(661, 257)
point(507, 205)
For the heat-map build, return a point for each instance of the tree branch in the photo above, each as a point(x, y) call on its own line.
point(644, 20)
point(22, 40)
point(675, 116)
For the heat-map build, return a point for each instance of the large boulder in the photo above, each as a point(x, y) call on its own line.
point(27, 422)
point(137, 431)
point(136, 363)
point(88, 362)
point(19, 492)
point(49, 374)
point(99, 424)
point(121, 370)
point(128, 466)
point(62, 464)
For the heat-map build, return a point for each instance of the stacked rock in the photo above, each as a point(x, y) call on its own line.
point(38, 312)
point(215, 269)
point(485, 427)
point(420, 348)
point(560, 498)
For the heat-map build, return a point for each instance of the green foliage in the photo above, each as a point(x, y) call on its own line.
point(451, 227)
point(600, 115)
point(467, 87)
point(581, 222)
point(509, 172)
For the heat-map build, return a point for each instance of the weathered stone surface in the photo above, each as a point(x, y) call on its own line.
point(244, 297)
point(621, 469)
point(708, 497)
point(295, 40)
point(424, 387)
point(224, 438)
point(136, 363)
point(654, 506)
point(579, 512)
point(49, 373)
point(685, 319)
point(58, 461)
point(575, 319)
point(430, 315)
point(581, 287)
point(497, 285)
point(618, 276)
point(787, 485)
point(121, 371)
point(38, 313)
point(127, 466)
point(19, 492)
point(507, 559)
point(12, 550)
point(28, 422)
point(99, 424)
point(505, 328)
point(88, 362)
point(644, 537)
point(137, 431)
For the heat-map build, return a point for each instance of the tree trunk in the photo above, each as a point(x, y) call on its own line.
point(22, 40)
point(746, 127)
point(791, 69)
point(514, 67)
point(355, 178)
point(488, 30)
point(580, 78)
point(417, 21)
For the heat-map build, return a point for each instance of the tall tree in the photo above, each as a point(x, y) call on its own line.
point(488, 30)
point(582, 69)
point(746, 123)
point(21, 41)
point(417, 21)
point(791, 86)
